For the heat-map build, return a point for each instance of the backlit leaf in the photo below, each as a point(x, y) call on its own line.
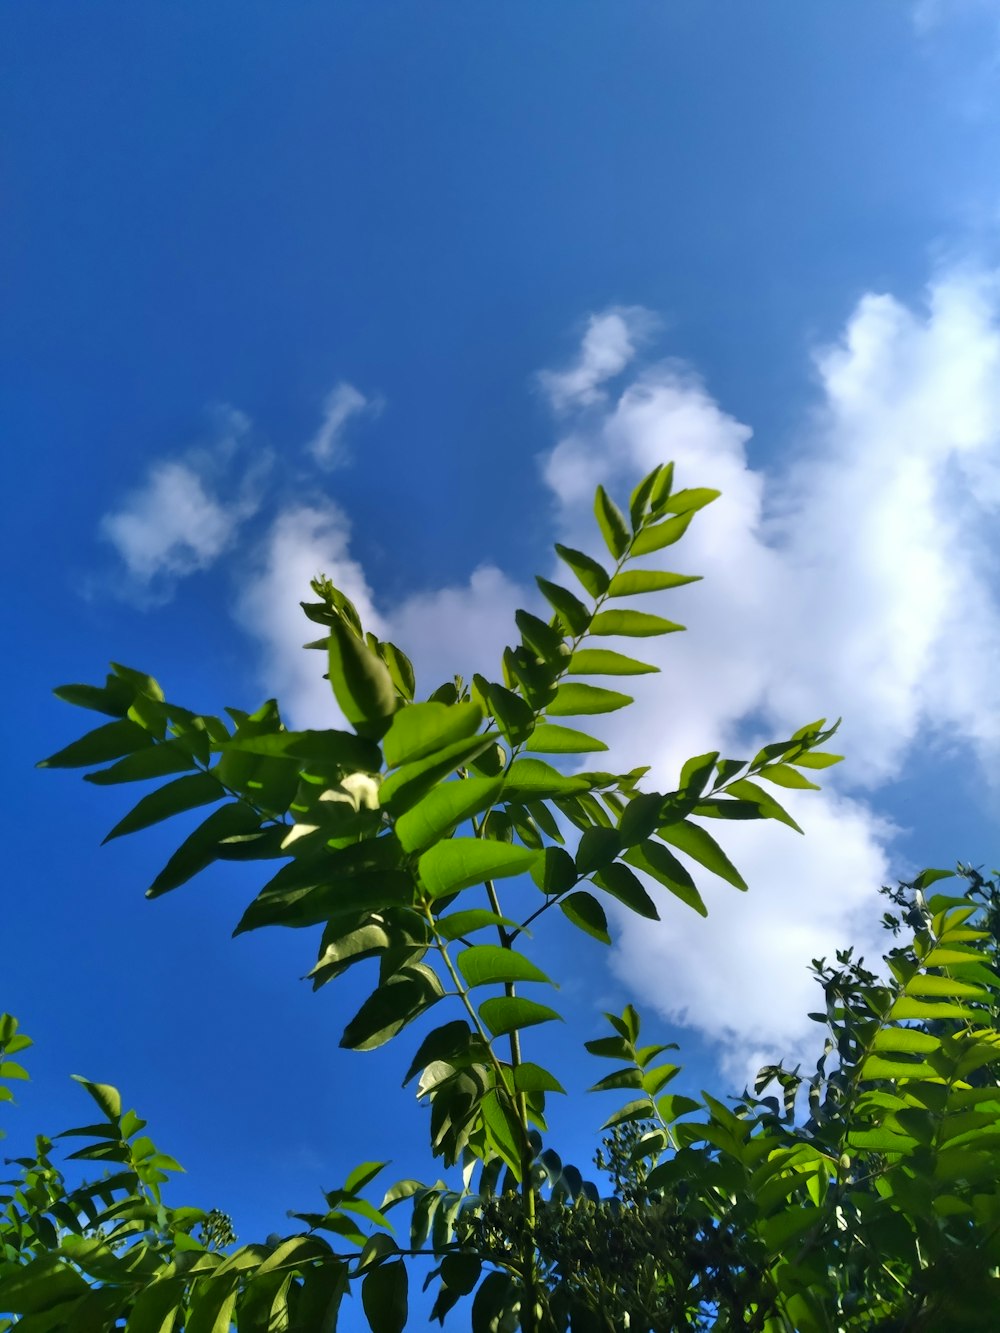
point(699, 844)
point(632, 624)
point(185, 793)
point(659, 535)
point(611, 521)
point(586, 912)
point(631, 582)
point(549, 738)
point(573, 699)
point(361, 682)
point(592, 575)
point(111, 741)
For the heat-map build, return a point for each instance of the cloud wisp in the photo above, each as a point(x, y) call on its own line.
point(328, 446)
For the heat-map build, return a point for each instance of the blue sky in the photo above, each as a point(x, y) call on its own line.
point(279, 284)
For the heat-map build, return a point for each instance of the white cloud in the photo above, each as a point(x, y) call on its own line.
point(856, 581)
point(342, 403)
point(608, 345)
point(187, 512)
point(303, 541)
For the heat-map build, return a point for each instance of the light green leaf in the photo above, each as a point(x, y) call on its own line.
point(456, 925)
point(699, 844)
point(928, 877)
point(443, 808)
point(912, 1040)
point(769, 808)
point(407, 785)
point(586, 912)
point(632, 624)
point(459, 863)
point(504, 1130)
point(907, 1008)
point(690, 500)
point(418, 730)
point(603, 662)
point(631, 582)
point(185, 793)
point(157, 1306)
point(384, 1294)
point(533, 779)
point(491, 965)
point(573, 699)
point(507, 1013)
point(530, 1077)
point(361, 682)
point(107, 1098)
point(592, 575)
point(658, 536)
point(786, 776)
point(548, 738)
point(611, 521)
point(818, 759)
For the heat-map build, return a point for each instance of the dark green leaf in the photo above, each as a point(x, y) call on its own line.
point(154, 761)
point(554, 871)
point(491, 965)
point(603, 662)
point(632, 624)
point(586, 912)
point(591, 574)
point(389, 1008)
point(769, 808)
point(640, 497)
point(696, 842)
point(597, 847)
point(640, 818)
point(361, 682)
point(461, 862)
point(202, 847)
point(573, 699)
point(114, 698)
point(418, 730)
point(443, 808)
point(98, 746)
point(570, 610)
point(697, 772)
point(622, 884)
point(656, 860)
point(329, 750)
point(460, 1272)
point(507, 1013)
point(452, 1042)
point(157, 1306)
point(384, 1297)
point(661, 534)
point(611, 521)
point(185, 793)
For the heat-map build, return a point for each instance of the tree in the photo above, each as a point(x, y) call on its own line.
point(394, 837)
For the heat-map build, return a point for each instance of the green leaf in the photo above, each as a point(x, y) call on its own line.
point(418, 730)
point(632, 624)
point(533, 779)
point(570, 610)
point(769, 808)
point(631, 582)
point(443, 808)
point(928, 877)
point(554, 871)
point(452, 1042)
point(622, 884)
point(384, 1297)
point(456, 925)
point(388, 1009)
point(690, 500)
point(573, 699)
point(157, 1306)
point(363, 1175)
point(461, 862)
point(655, 860)
point(786, 776)
point(154, 761)
point(596, 848)
point(592, 575)
point(546, 642)
point(202, 847)
point(407, 785)
point(548, 738)
point(611, 521)
point(327, 749)
point(513, 716)
point(107, 1098)
point(530, 1077)
point(361, 682)
point(103, 743)
point(491, 965)
point(509, 1013)
point(640, 497)
point(114, 698)
point(586, 912)
point(185, 793)
point(907, 1008)
point(631, 1077)
point(640, 818)
point(911, 1040)
point(603, 662)
point(699, 844)
point(658, 536)
point(818, 759)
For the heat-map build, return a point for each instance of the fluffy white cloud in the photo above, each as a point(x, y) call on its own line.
point(853, 577)
point(303, 541)
point(187, 512)
point(342, 403)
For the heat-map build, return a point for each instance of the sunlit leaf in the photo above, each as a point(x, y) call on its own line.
point(185, 793)
point(490, 965)
point(604, 662)
point(461, 862)
point(422, 729)
point(631, 582)
point(506, 1013)
point(632, 624)
point(444, 807)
